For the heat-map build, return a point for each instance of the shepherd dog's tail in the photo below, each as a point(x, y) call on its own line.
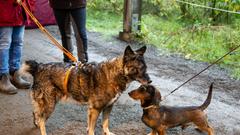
point(29, 66)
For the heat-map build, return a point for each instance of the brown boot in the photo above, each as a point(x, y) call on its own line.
point(19, 82)
point(6, 85)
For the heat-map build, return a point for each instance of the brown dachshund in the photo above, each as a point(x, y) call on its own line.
point(160, 118)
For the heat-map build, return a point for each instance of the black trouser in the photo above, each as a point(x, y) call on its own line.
point(79, 19)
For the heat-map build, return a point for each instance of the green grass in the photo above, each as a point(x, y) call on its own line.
point(104, 22)
point(201, 42)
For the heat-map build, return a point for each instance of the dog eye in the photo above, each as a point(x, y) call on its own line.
point(133, 70)
point(143, 88)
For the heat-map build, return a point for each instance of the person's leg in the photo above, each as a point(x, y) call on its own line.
point(5, 41)
point(63, 20)
point(15, 55)
point(15, 51)
point(79, 17)
point(80, 50)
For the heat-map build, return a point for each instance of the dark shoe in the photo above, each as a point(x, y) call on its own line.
point(86, 56)
point(68, 63)
point(85, 60)
point(6, 85)
point(19, 82)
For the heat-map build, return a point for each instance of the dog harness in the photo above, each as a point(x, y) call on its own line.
point(65, 82)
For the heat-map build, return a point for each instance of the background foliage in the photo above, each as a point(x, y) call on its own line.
point(196, 33)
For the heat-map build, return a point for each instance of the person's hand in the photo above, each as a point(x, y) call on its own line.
point(18, 1)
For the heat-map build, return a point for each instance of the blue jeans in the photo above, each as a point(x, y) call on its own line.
point(11, 42)
point(63, 20)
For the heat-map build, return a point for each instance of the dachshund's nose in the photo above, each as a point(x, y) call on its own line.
point(149, 81)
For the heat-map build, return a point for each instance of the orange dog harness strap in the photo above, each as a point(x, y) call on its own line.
point(65, 83)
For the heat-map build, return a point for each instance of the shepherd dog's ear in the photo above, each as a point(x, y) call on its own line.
point(141, 50)
point(128, 51)
point(128, 54)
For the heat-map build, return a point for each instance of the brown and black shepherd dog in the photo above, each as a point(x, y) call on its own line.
point(160, 118)
point(98, 85)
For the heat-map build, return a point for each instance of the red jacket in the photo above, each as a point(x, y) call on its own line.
point(12, 14)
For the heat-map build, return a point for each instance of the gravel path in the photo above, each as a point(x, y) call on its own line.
point(167, 72)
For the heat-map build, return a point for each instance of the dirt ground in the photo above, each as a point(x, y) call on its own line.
point(167, 72)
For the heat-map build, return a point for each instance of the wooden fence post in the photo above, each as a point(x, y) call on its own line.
point(131, 19)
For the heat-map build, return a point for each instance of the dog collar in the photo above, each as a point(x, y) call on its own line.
point(151, 106)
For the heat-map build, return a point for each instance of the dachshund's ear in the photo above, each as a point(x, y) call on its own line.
point(157, 96)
